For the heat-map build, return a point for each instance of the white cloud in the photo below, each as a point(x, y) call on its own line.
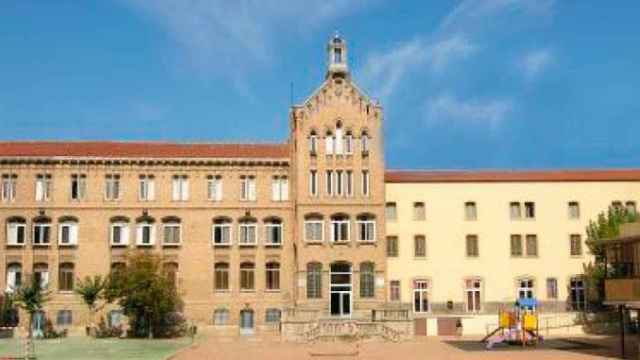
point(227, 37)
point(383, 72)
point(535, 62)
point(489, 112)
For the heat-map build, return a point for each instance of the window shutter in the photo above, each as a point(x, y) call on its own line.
point(124, 235)
point(44, 276)
point(73, 234)
point(329, 144)
point(252, 189)
point(11, 280)
point(218, 187)
point(12, 231)
point(151, 190)
point(185, 189)
point(139, 234)
point(275, 189)
point(285, 189)
point(339, 142)
point(152, 237)
point(175, 190)
point(39, 190)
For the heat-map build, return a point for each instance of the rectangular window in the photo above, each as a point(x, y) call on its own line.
point(365, 183)
point(221, 233)
point(394, 290)
point(221, 317)
point(41, 234)
point(8, 187)
point(280, 188)
point(329, 182)
point(340, 230)
point(247, 277)
point(348, 144)
point(530, 210)
point(172, 234)
point(419, 213)
point(145, 234)
point(64, 318)
point(364, 142)
point(472, 246)
point(274, 233)
point(574, 210)
point(248, 234)
point(339, 183)
point(525, 289)
point(146, 191)
point(119, 234)
point(272, 278)
point(514, 211)
point(248, 188)
point(221, 277)
point(68, 235)
point(516, 245)
point(552, 288)
point(420, 296)
point(78, 186)
point(390, 211)
point(470, 211)
point(43, 187)
point(348, 183)
point(577, 294)
point(16, 233)
point(420, 246)
point(313, 230)
point(473, 291)
point(214, 187)
point(575, 243)
point(313, 145)
point(180, 188)
point(367, 230)
point(313, 182)
point(65, 277)
point(532, 245)
point(112, 187)
point(392, 246)
point(328, 142)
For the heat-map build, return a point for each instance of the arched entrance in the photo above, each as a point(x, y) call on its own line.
point(246, 322)
point(341, 289)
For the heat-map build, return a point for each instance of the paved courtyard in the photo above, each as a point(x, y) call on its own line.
point(218, 348)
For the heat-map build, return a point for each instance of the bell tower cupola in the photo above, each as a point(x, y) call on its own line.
point(337, 65)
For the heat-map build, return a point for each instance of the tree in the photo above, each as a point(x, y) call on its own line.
point(605, 227)
point(145, 293)
point(90, 290)
point(31, 298)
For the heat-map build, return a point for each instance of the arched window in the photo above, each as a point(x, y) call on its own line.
point(313, 228)
point(340, 228)
point(119, 231)
point(221, 231)
point(248, 235)
point(367, 275)
point(313, 143)
point(145, 231)
point(364, 143)
point(314, 280)
point(68, 231)
point(366, 228)
point(14, 277)
point(65, 277)
point(247, 276)
point(273, 229)
point(339, 140)
point(172, 231)
point(329, 143)
point(221, 317)
point(348, 143)
point(16, 231)
point(273, 276)
point(170, 270)
point(221, 276)
point(41, 273)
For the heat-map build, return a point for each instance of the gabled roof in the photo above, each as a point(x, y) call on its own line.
point(113, 149)
point(435, 176)
point(361, 92)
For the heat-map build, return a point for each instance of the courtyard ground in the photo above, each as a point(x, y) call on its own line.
point(220, 348)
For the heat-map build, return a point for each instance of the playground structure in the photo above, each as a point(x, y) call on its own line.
point(516, 326)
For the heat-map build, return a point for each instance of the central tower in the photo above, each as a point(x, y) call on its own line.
point(338, 180)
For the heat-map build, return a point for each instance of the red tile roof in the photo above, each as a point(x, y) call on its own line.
point(417, 176)
point(108, 149)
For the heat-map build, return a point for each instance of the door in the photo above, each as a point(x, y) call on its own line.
point(246, 322)
point(341, 289)
point(340, 303)
point(420, 327)
point(37, 326)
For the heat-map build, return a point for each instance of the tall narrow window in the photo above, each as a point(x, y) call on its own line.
point(420, 296)
point(280, 188)
point(348, 183)
point(340, 228)
point(313, 182)
point(43, 187)
point(364, 143)
point(221, 317)
point(515, 210)
point(221, 276)
point(145, 233)
point(339, 139)
point(314, 280)
point(328, 143)
point(532, 245)
point(16, 231)
point(552, 288)
point(365, 183)
point(392, 246)
point(172, 232)
point(366, 228)
point(248, 234)
point(8, 187)
point(65, 277)
point(525, 288)
point(112, 187)
point(473, 295)
point(64, 318)
point(530, 210)
point(470, 211)
point(390, 211)
point(247, 276)
point(273, 229)
point(339, 183)
point(78, 186)
point(313, 228)
point(574, 210)
point(577, 293)
point(313, 143)
point(41, 232)
point(472, 246)
point(337, 55)
point(214, 187)
point(180, 188)
point(119, 232)
point(273, 276)
point(419, 213)
point(516, 245)
point(348, 143)
point(419, 246)
point(394, 290)
point(41, 274)
point(575, 244)
point(248, 188)
point(221, 232)
point(329, 182)
point(68, 233)
point(147, 188)
point(14, 277)
point(367, 275)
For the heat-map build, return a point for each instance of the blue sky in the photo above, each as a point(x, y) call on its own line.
point(464, 84)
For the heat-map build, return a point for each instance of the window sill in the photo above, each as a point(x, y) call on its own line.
point(367, 242)
point(222, 291)
point(273, 245)
point(144, 245)
point(172, 245)
point(247, 245)
point(222, 245)
point(313, 242)
point(340, 242)
point(67, 245)
point(472, 257)
point(41, 245)
point(420, 258)
point(248, 291)
point(119, 245)
point(272, 291)
point(15, 245)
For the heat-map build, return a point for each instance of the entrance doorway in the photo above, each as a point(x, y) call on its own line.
point(246, 322)
point(341, 289)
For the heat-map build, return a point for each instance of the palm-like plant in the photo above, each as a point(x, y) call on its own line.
point(31, 298)
point(91, 290)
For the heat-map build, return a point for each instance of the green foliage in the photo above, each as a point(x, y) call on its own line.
point(31, 297)
point(146, 295)
point(605, 227)
point(90, 290)
point(8, 311)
